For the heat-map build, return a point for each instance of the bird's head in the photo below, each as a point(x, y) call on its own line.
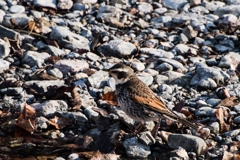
point(120, 72)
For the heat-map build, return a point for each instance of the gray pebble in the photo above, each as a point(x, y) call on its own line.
point(17, 9)
point(188, 142)
point(135, 149)
point(205, 112)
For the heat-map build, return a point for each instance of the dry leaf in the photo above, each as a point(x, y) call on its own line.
point(111, 98)
point(27, 119)
point(221, 113)
point(53, 59)
point(41, 75)
point(60, 122)
point(227, 156)
point(76, 99)
point(229, 102)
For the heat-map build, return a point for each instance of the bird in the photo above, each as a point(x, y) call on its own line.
point(138, 101)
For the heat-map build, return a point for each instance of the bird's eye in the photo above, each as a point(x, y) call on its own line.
point(121, 75)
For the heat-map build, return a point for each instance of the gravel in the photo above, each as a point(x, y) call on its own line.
point(52, 56)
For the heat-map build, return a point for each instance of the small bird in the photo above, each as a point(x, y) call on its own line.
point(138, 100)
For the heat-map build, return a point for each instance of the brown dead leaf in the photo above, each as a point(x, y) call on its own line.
point(52, 59)
point(111, 98)
point(76, 99)
point(236, 156)
point(35, 26)
point(88, 71)
point(221, 113)
point(87, 142)
point(179, 106)
point(101, 111)
point(41, 75)
point(27, 119)
point(133, 11)
point(60, 122)
point(229, 102)
point(237, 70)
point(10, 83)
point(227, 156)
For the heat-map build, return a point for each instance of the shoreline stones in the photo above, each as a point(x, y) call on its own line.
point(53, 54)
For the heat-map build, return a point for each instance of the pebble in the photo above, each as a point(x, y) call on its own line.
point(17, 9)
point(71, 66)
point(188, 142)
point(49, 108)
point(135, 149)
point(146, 138)
point(4, 65)
point(183, 50)
point(117, 48)
point(98, 79)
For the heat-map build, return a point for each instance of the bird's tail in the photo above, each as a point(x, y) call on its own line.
point(173, 116)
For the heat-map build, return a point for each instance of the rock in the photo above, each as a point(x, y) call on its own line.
point(157, 52)
point(12, 91)
point(92, 56)
point(17, 9)
point(165, 88)
point(190, 32)
point(174, 63)
point(91, 114)
point(44, 84)
point(105, 13)
point(9, 33)
point(213, 5)
point(68, 39)
point(146, 78)
point(164, 67)
point(139, 66)
point(64, 4)
point(160, 79)
point(215, 127)
point(145, 7)
point(179, 153)
point(117, 48)
point(174, 4)
point(230, 9)
point(71, 66)
point(49, 108)
point(54, 51)
point(124, 117)
point(232, 133)
point(205, 112)
point(204, 72)
point(4, 49)
point(77, 117)
point(33, 58)
point(236, 120)
point(146, 138)
point(135, 149)
point(237, 108)
point(181, 49)
point(98, 79)
point(188, 142)
point(4, 65)
point(45, 3)
point(41, 123)
point(194, 2)
point(56, 73)
point(207, 83)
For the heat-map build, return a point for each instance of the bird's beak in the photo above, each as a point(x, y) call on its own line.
point(106, 70)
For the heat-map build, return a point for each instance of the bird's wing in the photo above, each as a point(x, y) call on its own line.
point(155, 104)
